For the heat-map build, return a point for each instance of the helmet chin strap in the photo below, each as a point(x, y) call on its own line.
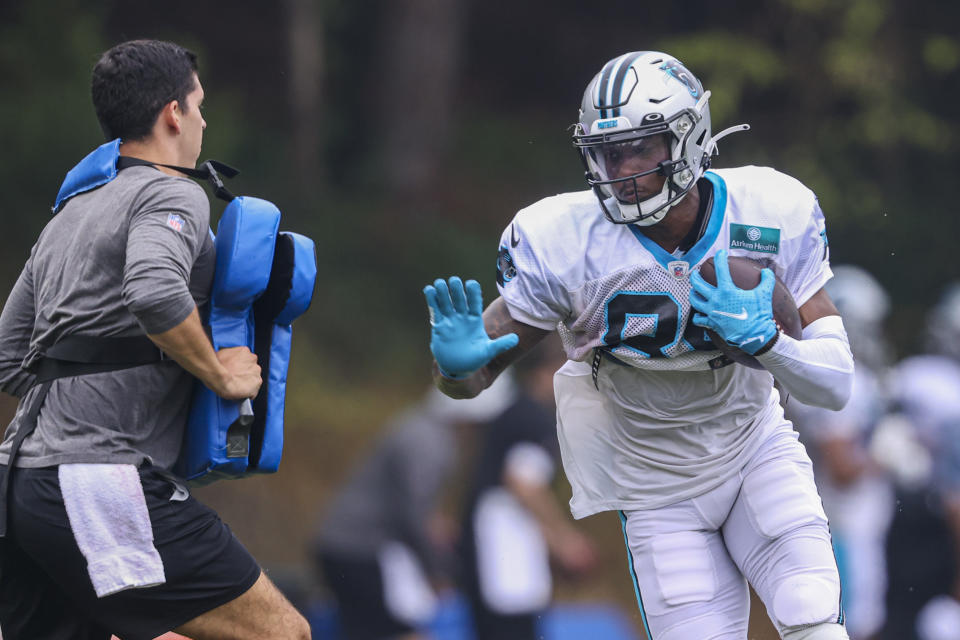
point(659, 204)
point(628, 210)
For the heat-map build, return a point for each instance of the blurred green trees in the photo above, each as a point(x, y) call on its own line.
point(856, 98)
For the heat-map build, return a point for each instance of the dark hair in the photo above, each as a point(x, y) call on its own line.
point(134, 80)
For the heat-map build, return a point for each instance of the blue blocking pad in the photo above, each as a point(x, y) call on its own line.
point(287, 297)
point(98, 168)
point(263, 281)
point(245, 242)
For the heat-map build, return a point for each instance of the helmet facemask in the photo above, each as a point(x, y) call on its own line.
point(603, 154)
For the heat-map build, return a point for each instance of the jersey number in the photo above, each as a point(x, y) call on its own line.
point(664, 311)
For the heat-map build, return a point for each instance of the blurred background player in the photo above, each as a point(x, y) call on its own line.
point(375, 548)
point(921, 443)
point(857, 492)
point(513, 521)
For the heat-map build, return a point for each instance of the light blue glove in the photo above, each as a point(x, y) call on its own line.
point(742, 317)
point(458, 341)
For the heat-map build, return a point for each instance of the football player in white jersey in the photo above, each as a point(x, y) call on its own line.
point(713, 488)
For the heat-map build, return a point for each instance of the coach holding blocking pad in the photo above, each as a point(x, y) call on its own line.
point(98, 537)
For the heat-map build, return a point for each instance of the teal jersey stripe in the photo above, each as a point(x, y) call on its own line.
point(841, 618)
point(699, 250)
point(633, 575)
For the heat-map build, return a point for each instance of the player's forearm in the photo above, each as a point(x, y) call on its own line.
point(540, 502)
point(187, 343)
point(817, 370)
point(466, 387)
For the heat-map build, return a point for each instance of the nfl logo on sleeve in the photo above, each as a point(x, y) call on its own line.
point(175, 222)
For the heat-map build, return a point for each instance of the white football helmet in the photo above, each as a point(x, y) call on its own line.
point(943, 323)
point(637, 95)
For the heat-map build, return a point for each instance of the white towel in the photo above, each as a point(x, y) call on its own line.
point(406, 590)
point(110, 522)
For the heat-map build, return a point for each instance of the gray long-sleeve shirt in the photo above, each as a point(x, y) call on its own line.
point(132, 256)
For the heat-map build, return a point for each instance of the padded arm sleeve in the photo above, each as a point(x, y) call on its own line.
point(817, 370)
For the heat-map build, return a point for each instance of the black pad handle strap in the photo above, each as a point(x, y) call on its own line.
point(129, 350)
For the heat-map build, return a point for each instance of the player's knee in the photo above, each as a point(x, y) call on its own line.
point(823, 631)
point(805, 600)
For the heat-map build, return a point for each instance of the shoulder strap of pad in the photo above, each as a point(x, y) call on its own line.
point(210, 170)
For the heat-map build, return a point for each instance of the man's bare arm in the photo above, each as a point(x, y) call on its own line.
point(497, 322)
point(231, 373)
point(572, 549)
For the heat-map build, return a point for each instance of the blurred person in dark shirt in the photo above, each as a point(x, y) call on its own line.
point(923, 546)
point(374, 546)
point(513, 522)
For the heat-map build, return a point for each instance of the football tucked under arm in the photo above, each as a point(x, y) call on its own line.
point(813, 363)
point(746, 274)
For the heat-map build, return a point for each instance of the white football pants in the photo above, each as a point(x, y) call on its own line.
point(691, 561)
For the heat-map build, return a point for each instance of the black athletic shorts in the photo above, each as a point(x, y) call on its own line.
point(357, 585)
point(46, 593)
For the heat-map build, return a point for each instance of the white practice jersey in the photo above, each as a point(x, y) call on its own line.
point(662, 424)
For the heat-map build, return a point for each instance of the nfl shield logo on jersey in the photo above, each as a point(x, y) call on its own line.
point(679, 268)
